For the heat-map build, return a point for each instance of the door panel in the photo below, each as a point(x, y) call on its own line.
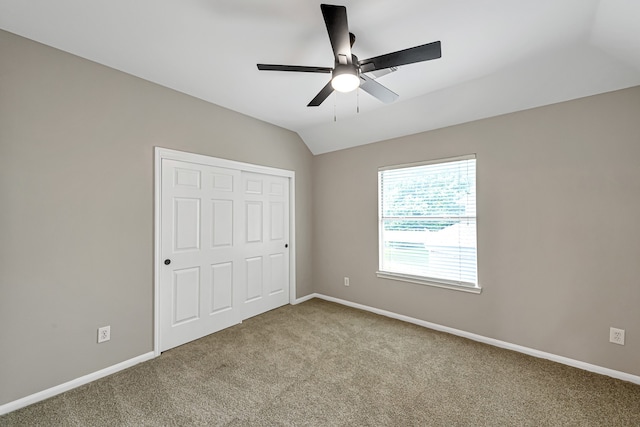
point(254, 221)
point(222, 182)
point(254, 278)
point(186, 224)
point(276, 230)
point(189, 178)
point(221, 287)
point(186, 295)
point(222, 220)
point(253, 185)
point(277, 277)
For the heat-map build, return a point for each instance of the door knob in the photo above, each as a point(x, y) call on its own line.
point(167, 261)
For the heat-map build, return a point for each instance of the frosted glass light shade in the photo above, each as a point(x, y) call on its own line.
point(345, 82)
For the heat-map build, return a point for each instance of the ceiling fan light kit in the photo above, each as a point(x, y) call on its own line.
point(347, 73)
point(345, 78)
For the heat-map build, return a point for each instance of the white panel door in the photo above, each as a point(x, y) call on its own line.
point(200, 228)
point(265, 250)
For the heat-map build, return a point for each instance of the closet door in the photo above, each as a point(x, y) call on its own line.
point(200, 230)
point(224, 248)
point(265, 250)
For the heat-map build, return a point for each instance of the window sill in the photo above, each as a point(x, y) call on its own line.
point(427, 282)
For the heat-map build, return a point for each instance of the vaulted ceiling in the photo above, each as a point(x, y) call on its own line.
point(498, 56)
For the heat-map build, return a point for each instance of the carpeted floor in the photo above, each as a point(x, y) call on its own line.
point(323, 364)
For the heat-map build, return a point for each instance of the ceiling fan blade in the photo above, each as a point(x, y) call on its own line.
point(298, 68)
point(321, 96)
point(376, 74)
point(425, 52)
point(335, 18)
point(375, 89)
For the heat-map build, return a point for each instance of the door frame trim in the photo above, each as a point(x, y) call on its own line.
point(160, 154)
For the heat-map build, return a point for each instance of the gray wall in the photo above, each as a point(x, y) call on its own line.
point(76, 217)
point(557, 202)
point(558, 234)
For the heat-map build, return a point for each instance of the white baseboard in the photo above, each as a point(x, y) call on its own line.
point(491, 341)
point(305, 298)
point(50, 392)
point(45, 394)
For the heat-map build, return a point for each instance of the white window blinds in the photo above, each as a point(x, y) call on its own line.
point(427, 220)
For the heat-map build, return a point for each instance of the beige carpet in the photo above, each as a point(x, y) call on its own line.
point(322, 364)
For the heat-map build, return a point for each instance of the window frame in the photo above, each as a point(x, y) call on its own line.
point(424, 280)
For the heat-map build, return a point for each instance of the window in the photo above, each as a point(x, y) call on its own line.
point(427, 220)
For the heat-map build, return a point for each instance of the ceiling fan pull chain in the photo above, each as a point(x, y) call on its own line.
point(334, 107)
point(358, 101)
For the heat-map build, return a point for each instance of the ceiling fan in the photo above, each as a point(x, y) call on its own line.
point(348, 72)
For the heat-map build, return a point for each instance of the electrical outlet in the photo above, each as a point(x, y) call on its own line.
point(104, 334)
point(616, 336)
point(346, 281)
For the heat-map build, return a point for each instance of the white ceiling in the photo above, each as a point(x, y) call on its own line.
point(498, 56)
